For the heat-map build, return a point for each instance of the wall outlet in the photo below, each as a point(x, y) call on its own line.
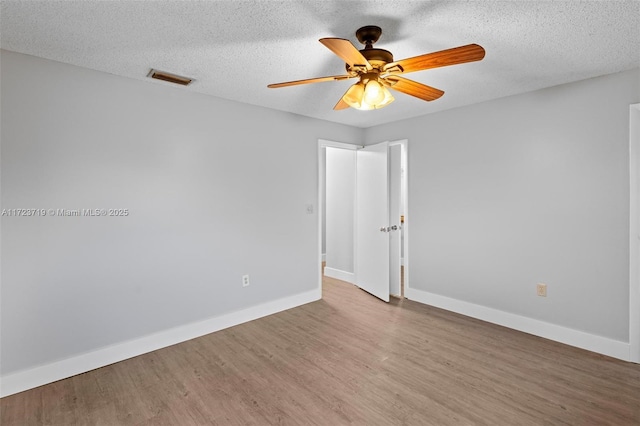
point(245, 280)
point(541, 289)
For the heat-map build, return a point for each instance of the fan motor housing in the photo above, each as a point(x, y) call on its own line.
point(374, 54)
point(376, 57)
point(368, 35)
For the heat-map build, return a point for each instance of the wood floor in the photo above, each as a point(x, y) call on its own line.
point(347, 359)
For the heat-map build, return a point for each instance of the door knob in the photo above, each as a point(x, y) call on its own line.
point(394, 228)
point(383, 229)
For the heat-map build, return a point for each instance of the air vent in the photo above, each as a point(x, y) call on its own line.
point(171, 78)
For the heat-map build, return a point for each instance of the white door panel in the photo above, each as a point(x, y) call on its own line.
point(372, 220)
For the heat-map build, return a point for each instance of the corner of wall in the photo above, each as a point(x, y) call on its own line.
point(579, 339)
point(62, 369)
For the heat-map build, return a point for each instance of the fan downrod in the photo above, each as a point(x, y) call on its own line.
point(368, 35)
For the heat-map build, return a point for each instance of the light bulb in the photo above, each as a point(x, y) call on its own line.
point(373, 93)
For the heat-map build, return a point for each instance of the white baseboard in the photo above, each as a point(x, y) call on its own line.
point(349, 277)
point(580, 339)
point(48, 373)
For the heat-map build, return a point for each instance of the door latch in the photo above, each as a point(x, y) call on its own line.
point(389, 228)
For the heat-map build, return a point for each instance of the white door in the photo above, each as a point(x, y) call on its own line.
point(372, 220)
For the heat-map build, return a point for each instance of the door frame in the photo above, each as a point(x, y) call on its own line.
point(634, 233)
point(404, 182)
point(324, 143)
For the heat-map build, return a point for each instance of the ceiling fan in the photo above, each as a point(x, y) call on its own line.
point(377, 72)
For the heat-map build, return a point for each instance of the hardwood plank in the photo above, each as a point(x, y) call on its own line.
point(346, 359)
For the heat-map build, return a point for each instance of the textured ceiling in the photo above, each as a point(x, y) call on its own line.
point(234, 49)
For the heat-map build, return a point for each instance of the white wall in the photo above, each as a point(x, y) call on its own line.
point(215, 189)
point(526, 189)
point(340, 202)
point(505, 194)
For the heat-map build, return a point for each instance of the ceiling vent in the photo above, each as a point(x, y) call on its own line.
point(171, 78)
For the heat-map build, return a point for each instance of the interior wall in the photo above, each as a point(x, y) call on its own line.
point(340, 196)
point(505, 194)
point(528, 189)
point(213, 190)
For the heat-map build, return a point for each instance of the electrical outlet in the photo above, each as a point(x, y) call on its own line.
point(541, 289)
point(245, 280)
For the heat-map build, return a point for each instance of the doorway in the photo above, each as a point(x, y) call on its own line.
point(337, 226)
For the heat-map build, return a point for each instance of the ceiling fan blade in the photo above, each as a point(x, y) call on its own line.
point(341, 105)
point(443, 58)
point(347, 51)
point(309, 80)
point(413, 88)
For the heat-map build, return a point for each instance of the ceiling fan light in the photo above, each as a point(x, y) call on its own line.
point(388, 98)
point(365, 106)
point(354, 95)
point(373, 93)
